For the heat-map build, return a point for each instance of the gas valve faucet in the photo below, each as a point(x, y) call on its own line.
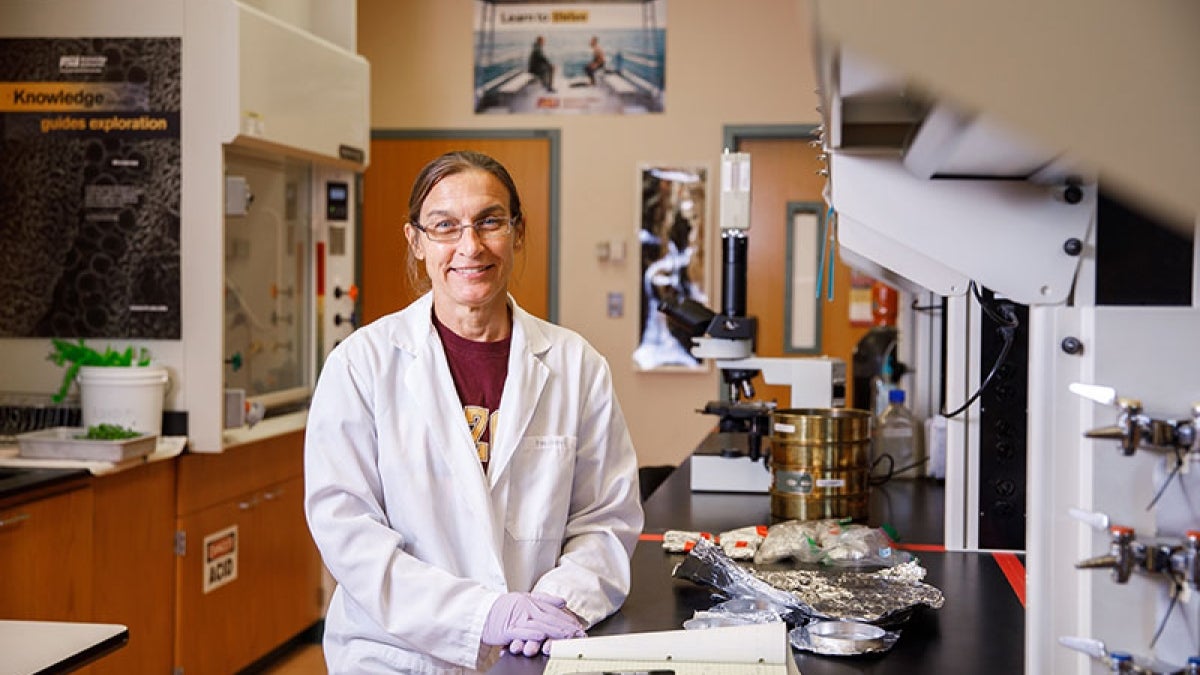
point(1180, 562)
point(1134, 428)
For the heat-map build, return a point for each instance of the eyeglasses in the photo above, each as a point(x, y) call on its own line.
point(447, 229)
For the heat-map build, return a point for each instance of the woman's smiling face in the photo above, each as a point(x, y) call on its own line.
point(473, 272)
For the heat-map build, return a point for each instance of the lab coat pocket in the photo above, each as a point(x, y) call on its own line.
point(539, 497)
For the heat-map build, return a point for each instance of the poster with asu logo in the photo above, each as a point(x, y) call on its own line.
point(90, 187)
point(570, 57)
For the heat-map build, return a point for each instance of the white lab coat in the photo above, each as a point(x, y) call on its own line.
point(420, 541)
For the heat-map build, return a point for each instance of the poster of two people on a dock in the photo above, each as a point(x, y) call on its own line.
point(570, 57)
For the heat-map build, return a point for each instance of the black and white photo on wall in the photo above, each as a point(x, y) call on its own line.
point(672, 230)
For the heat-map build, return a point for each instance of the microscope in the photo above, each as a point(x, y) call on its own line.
point(733, 460)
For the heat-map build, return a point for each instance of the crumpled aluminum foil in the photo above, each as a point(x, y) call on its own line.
point(828, 541)
point(884, 597)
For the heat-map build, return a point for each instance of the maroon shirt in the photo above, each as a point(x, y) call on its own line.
point(479, 370)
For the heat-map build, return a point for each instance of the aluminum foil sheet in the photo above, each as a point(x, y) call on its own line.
point(883, 597)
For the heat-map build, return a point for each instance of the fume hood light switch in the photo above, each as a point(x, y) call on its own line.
point(616, 305)
point(337, 240)
point(237, 196)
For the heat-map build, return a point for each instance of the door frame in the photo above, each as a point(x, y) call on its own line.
point(554, 138)
point(733, 134)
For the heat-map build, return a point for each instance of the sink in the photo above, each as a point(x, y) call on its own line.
point(14, 480)
point(14, 474)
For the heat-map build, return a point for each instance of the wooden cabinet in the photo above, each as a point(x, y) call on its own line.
point(249, 577)
point(46, 556)
point(134, 566)
point(100, 549)
point(129, 548)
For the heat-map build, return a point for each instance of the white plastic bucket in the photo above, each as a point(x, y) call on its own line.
point(129, 396)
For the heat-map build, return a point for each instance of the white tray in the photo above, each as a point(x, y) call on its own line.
point(62, 443)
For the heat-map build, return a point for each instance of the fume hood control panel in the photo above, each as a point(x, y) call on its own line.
point(337, 288)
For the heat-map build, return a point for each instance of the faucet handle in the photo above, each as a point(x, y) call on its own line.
point(1128, 428)
point(1095, 392)
point(1090, 646)
point(1094, 519)
point(1105, 395)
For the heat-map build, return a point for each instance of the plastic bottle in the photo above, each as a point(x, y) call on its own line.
point(898, 435)
point(1193, 665)
point(882, 387)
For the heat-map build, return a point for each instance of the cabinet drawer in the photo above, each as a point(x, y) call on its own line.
point(46, 558)
point(208, 479)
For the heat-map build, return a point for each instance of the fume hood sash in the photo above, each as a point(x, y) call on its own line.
point(1008, 235)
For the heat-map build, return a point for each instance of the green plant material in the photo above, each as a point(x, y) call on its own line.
point(108, 432)
point(78, 354)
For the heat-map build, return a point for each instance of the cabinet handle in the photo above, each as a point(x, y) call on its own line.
point(273, 494)
point(246, 506)
point(14, 520)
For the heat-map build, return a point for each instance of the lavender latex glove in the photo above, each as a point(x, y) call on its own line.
point(529, 647)
point(528, 617)
point(532, 647)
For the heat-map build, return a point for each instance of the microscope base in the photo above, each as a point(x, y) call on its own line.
point(714, 471)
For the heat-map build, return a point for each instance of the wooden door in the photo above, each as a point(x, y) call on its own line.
point(258, 487)
point(387, 183)
point(291, 592)
point(218, 631)
point(134, 564)
point(783, 170)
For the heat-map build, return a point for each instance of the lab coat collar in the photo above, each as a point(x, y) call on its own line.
point(527, 375)
point(414, 327)
point(413, 331)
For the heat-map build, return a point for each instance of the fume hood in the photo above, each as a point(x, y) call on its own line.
point(245, 89)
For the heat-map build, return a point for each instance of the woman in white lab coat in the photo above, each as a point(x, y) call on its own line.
point(469, 478)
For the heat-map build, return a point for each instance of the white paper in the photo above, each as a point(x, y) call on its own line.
point(752, 649)
point(560, 667)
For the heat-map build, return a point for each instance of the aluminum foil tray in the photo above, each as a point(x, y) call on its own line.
point(842, 638)
point(64, 443)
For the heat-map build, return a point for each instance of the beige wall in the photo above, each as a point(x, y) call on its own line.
point(729, 62)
